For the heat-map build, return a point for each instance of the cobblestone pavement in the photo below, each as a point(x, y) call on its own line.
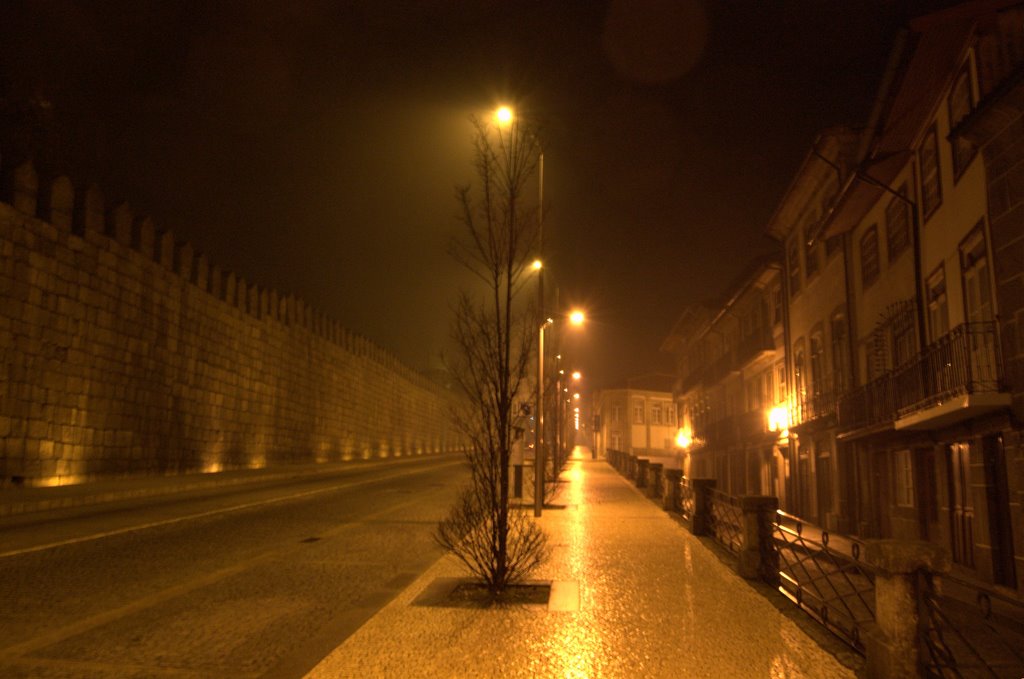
point(653, 602)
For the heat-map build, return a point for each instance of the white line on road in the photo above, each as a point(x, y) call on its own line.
point(224, 510)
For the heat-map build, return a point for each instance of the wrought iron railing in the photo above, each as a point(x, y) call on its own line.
point(725, 520)
point(830, 584)
point(686, 500)
point(969, 631)
point(965, 361)
point(820, 403)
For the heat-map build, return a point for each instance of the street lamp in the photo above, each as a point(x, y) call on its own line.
point(504, 115)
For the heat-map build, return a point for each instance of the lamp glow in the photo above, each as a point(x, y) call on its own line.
point(576, 317)
point(503, 115)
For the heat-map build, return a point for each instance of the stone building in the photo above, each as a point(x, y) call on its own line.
point(902, 283)
point(639, 418)
point(731, 386)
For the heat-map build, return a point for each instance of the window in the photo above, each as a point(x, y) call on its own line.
point(776, 305)
point(840, 352)
point(670, 414)
point(931, 182)
point(638, 411)
point(961, 102)
point(938, 311)
point(903, 478)
point(656, 413)
point(793, 263)
point(616, 414)
point(897, 224)
point(780, 382)
point(811, 257)
point(869, 257)
point(974, 269)
point(798, 371)
point(817, 364)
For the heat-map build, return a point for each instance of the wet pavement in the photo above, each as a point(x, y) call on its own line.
point(652, 602)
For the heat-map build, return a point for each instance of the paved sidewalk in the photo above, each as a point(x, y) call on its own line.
point(653, 602)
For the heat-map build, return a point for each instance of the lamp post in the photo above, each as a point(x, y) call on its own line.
point(505, 116)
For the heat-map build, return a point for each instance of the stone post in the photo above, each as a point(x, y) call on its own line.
point(904, 572)
point(701, 505)
point(641, 472)
point(758, 558)
point(654, 479)
point(673, 477)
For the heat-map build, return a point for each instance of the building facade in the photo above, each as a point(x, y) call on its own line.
point(731, 379)
point(635, 420)
point(896, 356)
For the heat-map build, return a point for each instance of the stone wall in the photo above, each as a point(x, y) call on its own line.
point(126, 352)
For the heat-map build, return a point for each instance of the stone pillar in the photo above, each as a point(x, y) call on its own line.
point(654, 479)
point(758, 558)
point(701, 524)
point(904, 572)
point(641, 472)
point(672, 479)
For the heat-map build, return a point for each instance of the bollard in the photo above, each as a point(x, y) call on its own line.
point(517, 478)
point(654, 479)
point(904, 574)
point(640, 477)
point(672, 479)
point(758, 558)
point(701, 524)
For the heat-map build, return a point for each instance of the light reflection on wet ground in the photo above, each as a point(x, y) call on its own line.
point(653, 602)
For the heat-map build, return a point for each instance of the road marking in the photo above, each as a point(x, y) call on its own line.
point(224, 510)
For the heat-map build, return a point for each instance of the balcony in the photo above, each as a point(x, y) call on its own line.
point(731, 431)
point(957, 377)
point(818, 405)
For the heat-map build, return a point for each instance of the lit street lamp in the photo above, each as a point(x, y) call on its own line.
point(504, 116)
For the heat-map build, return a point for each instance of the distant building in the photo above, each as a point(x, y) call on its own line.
point(639, 418)
point(731, 382)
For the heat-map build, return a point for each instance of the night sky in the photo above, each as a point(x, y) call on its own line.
point(314, 146)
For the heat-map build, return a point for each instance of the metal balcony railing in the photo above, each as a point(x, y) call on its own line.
point(965, 361)
point(820, 403)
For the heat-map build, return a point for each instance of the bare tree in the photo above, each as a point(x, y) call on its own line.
point(493, 336)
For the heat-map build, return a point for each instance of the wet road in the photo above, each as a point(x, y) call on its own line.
point(250, 581)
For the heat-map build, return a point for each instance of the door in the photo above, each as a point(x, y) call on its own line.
point(998, 496)
point(961, 509)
